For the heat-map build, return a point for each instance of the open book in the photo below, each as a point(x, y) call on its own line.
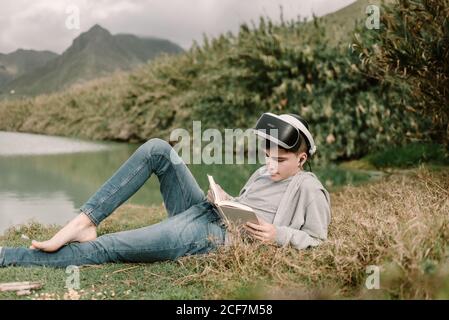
point(231, 211)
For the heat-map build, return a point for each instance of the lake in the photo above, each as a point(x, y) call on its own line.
point(46, 179)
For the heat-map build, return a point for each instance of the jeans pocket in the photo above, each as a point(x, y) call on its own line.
point(216, 216)
point(216, 233)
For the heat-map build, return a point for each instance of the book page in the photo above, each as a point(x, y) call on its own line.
point(214, 188)
point(237, 215)
point(235, 204)
point(231, 210)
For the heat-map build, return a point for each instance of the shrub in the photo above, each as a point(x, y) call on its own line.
point(411, 52)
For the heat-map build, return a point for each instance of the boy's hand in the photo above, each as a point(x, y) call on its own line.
point(264, 231)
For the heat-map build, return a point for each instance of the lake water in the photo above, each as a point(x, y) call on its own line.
point(46, 178)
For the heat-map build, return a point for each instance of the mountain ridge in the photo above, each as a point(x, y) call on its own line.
point(94, 53)
point(22, 61)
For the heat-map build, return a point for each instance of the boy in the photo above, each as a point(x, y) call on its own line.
point(292, 206)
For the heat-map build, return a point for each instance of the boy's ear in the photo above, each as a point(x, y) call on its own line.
point(302, 159)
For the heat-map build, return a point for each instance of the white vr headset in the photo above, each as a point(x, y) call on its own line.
point(284, 130)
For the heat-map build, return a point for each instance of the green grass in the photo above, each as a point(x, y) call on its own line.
point(162, 280)
point(399, 223)
point(411, 155)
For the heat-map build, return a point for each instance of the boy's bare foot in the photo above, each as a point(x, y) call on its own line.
point(80, 229)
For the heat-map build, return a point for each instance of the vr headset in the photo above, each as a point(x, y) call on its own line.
point(284, 130)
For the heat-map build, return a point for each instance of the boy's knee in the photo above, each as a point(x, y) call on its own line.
point(156, 145)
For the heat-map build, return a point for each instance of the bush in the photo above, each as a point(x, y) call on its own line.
point(284, 67)
point(411, 52)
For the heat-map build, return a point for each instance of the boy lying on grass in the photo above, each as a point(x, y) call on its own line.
point(292, 206)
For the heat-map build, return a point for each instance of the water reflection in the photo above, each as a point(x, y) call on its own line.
point(13, 144)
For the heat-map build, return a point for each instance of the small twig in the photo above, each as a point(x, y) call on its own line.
point(126, 269)
point(20, 286)
point(23, 293)
point(183, 280)
point(437, 185)
point(158, 275)
point(181, 263)
point(95, 266)
point(292, 264)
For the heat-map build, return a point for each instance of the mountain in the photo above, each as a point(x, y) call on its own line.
point(93, 54)
point(21, 61)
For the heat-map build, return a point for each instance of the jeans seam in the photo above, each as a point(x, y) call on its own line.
point(161, 248)
point(129, 177)
point(87, 255)
point(164, 155)
point(91, 217)
point(177, 177)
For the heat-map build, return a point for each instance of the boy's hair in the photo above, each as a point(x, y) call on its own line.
point(302, 144)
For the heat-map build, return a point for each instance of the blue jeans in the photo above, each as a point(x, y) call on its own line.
point(193, 225)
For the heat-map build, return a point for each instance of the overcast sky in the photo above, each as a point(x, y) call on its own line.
point(41, 24)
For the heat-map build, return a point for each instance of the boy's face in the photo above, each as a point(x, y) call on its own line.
point(282, 164)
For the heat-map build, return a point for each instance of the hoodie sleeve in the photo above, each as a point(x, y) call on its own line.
point(316, 215)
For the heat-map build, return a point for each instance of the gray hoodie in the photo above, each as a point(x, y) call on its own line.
point(303, 215)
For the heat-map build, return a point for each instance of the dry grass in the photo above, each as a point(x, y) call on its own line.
point(400, 224)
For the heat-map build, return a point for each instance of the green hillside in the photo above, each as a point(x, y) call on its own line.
point(340, 24)
point(20, 62)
